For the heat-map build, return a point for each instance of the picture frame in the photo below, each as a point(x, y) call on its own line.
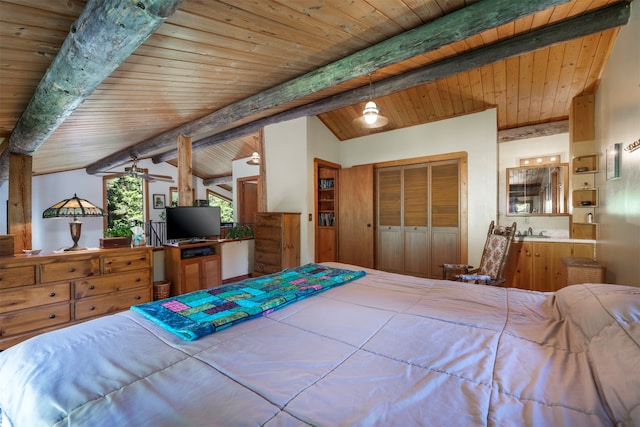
point(613, 161)
point(159, 201)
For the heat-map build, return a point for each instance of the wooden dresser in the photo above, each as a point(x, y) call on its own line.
point(41, 293)
point(277, 242)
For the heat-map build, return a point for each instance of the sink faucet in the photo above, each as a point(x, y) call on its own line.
point(530, 231)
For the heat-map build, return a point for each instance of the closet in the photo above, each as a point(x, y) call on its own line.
point(418, 217)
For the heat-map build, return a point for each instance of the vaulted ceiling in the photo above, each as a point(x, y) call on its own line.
point(222, 69)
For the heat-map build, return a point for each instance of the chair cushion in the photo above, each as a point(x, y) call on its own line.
point(493, 254)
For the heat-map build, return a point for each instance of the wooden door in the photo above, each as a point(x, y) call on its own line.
point(415, 221)
point(445, 215)
point(355, 213)
point(247, 200)
point(389, 225)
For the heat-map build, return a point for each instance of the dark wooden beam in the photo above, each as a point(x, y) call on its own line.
point(103, 36)
point(603, 19)
point(534, 131)
point(459, 25)
point(217, 180)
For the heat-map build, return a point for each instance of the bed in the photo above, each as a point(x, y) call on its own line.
point(384, 349)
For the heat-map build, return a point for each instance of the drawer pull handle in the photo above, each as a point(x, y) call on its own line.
point(138, 297)
point(52, 294)
point(91, 287)
point(138, 279)
point(128, 262)
point(92, 308)
point(52, 316)
point(72, 269)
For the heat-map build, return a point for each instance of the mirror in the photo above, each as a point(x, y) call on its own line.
point(537, 190)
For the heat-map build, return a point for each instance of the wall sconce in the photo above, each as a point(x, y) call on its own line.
point(73, 207)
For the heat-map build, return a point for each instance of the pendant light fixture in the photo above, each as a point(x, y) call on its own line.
point(371, 117)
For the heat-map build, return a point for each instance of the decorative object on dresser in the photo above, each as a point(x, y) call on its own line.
point(40, 293)
point(277, 242)
point(74, 207)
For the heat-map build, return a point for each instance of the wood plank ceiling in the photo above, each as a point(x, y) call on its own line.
point(210, 54)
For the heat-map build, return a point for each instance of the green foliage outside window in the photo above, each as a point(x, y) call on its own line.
point(226, 208)
point(125, 203)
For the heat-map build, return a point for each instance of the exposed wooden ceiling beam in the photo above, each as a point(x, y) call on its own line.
point(102, 37)
point(600, 20)
point(218, 180)
point(534, 131)
point(456, 26)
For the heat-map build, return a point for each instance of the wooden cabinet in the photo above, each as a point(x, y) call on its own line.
point(193, 267)
point(277, 241)
point(45, 292)
point(326, 210)
point(537, 266)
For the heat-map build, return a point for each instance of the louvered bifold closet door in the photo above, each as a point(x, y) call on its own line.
point(416, 220)
point(389, 188)
point(445, 214)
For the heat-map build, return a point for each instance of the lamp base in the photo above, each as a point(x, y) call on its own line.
point(76, 228)
point(75, 248)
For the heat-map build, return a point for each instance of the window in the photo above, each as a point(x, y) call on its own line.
point(125, 198)
point(226, 207)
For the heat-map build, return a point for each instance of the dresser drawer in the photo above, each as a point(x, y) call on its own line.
point(67, 270)
point(111, 283)
point(268, 220)
point(17, 276)
point(267, 246)
point(111, 303)
point(31, 320)
point(273, 258)
point(33, 296)
point(126, 262)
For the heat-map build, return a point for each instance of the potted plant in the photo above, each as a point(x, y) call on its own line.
point(239, 232)
point(118, 236)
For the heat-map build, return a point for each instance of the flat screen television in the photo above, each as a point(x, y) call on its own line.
point(192, 222)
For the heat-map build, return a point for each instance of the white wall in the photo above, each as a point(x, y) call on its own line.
point(288, 190)
point(618, 121)
point(475, 133)
point(509, 154)
point(291, 147)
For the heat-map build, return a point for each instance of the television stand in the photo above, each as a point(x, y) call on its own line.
point(192, 266)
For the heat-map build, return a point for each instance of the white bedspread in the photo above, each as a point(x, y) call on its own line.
point(384, 350)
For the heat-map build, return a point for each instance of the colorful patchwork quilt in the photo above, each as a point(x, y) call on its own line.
point(199, 313)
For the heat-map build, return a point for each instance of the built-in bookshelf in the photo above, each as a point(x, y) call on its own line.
point(326, 197)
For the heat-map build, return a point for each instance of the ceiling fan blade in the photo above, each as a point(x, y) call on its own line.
point(111, 173)
point(152, 177)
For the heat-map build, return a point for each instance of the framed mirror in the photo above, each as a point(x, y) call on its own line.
point(537, 190)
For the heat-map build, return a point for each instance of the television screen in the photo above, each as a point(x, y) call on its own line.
point(192, 222)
